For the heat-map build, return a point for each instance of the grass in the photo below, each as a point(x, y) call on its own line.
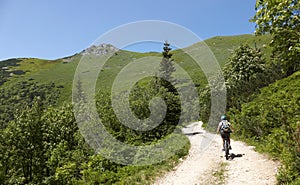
point(223, 46)
point(62, 73)
point(217, 176)
point(220, 173)
point(149, 174)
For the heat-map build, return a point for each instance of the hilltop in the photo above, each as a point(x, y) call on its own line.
point(61, 71)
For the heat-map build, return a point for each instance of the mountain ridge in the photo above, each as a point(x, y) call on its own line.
point(61, 71)
point(105, 47)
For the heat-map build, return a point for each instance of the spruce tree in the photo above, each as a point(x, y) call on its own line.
point(166, 69)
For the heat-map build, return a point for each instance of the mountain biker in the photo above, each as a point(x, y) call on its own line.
point(225, 128)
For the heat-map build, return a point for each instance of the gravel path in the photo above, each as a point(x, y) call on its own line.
point(205, 158)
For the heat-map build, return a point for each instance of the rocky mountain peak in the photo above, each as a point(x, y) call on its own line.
point(101, 49)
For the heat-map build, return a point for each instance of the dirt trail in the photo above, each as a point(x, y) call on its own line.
point(202, 165)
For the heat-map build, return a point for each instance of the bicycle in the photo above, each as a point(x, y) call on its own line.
point(226, 148)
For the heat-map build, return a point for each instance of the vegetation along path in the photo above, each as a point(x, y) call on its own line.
point(206, 163)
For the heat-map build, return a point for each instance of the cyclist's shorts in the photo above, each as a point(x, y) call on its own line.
point(225, 135)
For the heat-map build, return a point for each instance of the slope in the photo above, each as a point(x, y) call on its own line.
point(61, 71)
point(272, 123)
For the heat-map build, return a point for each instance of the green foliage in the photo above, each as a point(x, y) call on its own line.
point(139, 99)
point(24, 137)
point(243, 65)
point(208, 115)
point(61, 71)
point(18, 96)
point(205, 104)
point(272, 120)
point(80, 95)
point(42, 147)
point(102, 171)
point(5, 71)
point(60, 153)
point(166, 69)
point(282, 20)
point(166, 65)
point(244, 74)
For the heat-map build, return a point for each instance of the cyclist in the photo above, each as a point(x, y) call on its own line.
point(225, 128)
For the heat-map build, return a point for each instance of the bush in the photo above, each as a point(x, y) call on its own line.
point(271, 122)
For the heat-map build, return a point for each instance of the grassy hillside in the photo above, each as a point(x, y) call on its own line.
point(272, 123)
point(223, 46)
point(61, 71)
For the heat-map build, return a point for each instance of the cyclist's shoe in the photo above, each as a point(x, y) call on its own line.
point(223, 149)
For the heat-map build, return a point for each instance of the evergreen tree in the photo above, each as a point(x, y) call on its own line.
point(80, 96)
point(166, 69)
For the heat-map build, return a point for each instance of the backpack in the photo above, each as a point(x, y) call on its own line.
point(225, 127)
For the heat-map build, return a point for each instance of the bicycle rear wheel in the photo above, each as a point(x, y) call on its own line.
point(226, 147)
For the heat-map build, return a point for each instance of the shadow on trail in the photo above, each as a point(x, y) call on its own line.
point(232, 155)
point(192, 133)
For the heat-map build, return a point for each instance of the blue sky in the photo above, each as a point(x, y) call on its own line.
point(53, 29)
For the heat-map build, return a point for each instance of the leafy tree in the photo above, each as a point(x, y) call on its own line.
point(42, 147)
point(139, 99)
point(281, 18)
point(23, 147)
point(65, 148)
point(210, 115)
point(243, 74)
